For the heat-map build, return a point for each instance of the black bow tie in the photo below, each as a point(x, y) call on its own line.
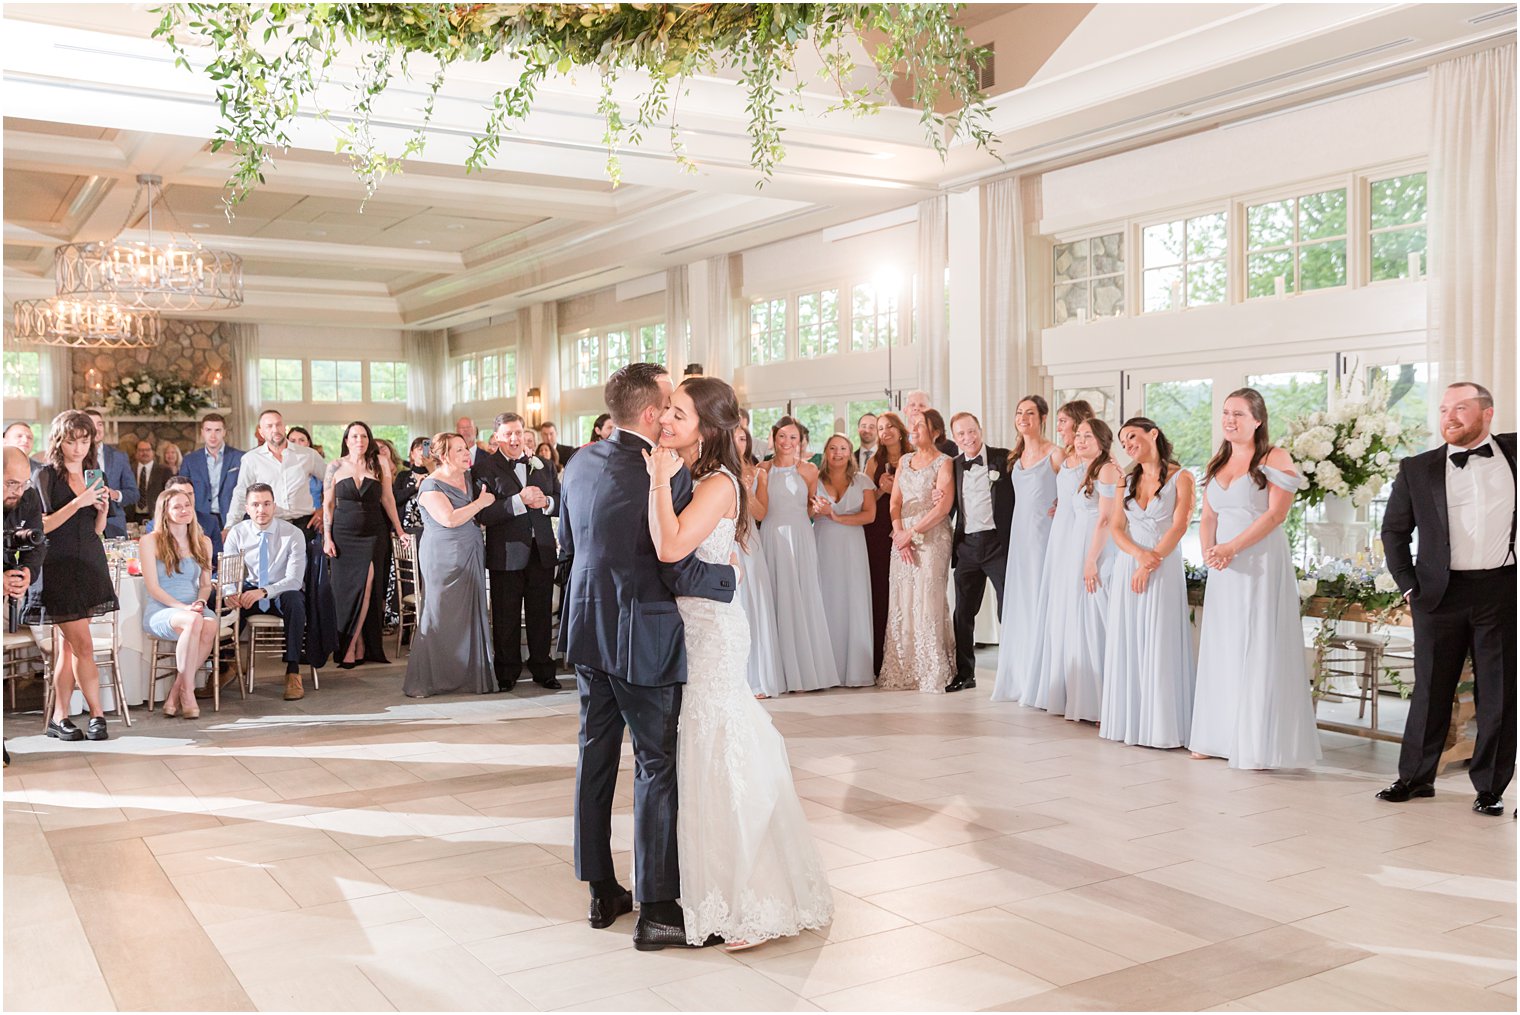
point(1459, 458)
point(975, 461)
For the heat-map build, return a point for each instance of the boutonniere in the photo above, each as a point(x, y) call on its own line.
point(534, 463)
point(994, 476)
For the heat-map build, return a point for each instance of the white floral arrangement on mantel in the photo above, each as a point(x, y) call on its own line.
point(146, 394)
point(1346, 451)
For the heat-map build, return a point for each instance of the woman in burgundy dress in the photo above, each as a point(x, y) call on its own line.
point(882, 469)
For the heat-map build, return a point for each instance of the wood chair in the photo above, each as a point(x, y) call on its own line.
point(408, 589)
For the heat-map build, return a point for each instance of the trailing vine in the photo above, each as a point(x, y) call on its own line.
point(269, 63)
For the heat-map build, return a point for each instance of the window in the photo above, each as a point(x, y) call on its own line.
point(337, 380)
point(397, 434)
point(818, 417)
point(509, 373)
point(587, 372)
point(1184, 263)
point(329, 437)
point(280, 380)
point(1397, 240)
point(855, 410)
point(490, 376)
point(818, 323)
point(1408, 397)
point(767, 331)
point(652, 343)
point(761, 421)
point(1104, 402)
point(874, 318)
point(619, 348)
point(23, 374)
point(387, 381)
point(1301, 240)
point(1291, 395)
point(466, 380)
point(1089, 278)
point(583, 426)
point(1185, 412)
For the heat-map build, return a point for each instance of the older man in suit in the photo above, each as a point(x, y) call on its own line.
point(983, 521)
point(1460, 497)
point(151, 477)
point(118, 470)
point(213, 470)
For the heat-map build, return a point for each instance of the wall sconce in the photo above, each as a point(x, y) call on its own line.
point(693, 370)
point(535, 403)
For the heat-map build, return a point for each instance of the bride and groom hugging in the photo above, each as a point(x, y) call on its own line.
point(650, 520)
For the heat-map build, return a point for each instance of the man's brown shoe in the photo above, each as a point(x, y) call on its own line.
point(293, 689)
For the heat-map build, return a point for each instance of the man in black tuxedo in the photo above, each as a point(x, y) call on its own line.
point(1461, 593)
point(151, 477)
point(520, 552)
point(979, 553)
point(621, 630)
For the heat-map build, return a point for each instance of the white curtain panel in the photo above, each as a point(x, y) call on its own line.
point(57, 391)
point(1472, 223)
point(1008, 206)
point(720, 331)
point(428, 399)
point(677, 318)
point(241, 392)
point(545, 324)
point(931, 330)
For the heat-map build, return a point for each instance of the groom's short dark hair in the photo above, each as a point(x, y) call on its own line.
point(633, 389)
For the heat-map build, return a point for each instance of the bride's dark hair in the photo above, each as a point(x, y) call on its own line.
point(717, 419)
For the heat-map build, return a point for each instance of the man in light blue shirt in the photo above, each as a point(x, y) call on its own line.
point(274, 573)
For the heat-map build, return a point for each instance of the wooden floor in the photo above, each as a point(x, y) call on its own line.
point(358, 850)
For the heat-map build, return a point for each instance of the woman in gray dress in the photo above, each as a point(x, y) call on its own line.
point(452, 648)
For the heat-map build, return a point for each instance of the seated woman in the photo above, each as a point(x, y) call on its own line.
point(176, 566)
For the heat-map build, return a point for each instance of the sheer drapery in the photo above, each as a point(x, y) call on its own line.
point(931, 329)
point(57, 388)
point(1471, 294)
point(677, 318)
point(241, 387)
point(427, 374)
point(1008, 206)
point(718, 348)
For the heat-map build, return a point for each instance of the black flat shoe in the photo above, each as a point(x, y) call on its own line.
point(65, 730)
point(605, 911)
point(1489, 803)
point(348, 666)
point(1400, 791)
point(649, 936)
point(95, 729)
point(548, 683)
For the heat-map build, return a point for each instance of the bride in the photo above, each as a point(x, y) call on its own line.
point(749, 869)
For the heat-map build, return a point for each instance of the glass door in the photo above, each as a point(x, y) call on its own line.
point(1182, 402)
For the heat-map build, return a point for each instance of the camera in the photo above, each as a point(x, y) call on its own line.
point(20, 540)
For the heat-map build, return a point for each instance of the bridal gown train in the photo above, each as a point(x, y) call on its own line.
point(749, 868)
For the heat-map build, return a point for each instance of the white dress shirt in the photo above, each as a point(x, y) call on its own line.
point(287, 555)
point(976, 497)
point(214, 463)
point(287, 476)
point(1480, 504)
point(520, 467)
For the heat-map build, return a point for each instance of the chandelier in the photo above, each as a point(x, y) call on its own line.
point(80, 324)
point(168, 271)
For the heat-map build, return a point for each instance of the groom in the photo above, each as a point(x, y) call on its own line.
point(622, 632)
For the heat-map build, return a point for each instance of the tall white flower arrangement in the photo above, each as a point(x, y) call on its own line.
point(1347, 451)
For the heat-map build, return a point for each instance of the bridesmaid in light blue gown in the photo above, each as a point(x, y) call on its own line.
point(764, 673)
point(791, 554)
point(1070, 670)
point(846, 503)
point(1032, 466)
point(1148, 658)
point(1253, 704)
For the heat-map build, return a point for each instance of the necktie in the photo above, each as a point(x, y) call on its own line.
point(264, 569)
point(1459, 459)
point(143, 483)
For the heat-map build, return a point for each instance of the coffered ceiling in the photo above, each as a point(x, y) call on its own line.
point(91, 101)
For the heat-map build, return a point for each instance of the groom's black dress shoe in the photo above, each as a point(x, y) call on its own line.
point(548, 683)
point(649, 936)
point(960, 685)
point(1491, 804)
point(605, 911)
point(505, 683)
point(1400, 791)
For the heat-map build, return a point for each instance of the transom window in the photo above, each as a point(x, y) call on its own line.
point(1397, 210)
point(818, 323)
point(1301, 240)
point(282, 380)
point(1089, 277)
point(589, 359)
point(339, 380)
point(1184, 262)
point(387, 381)
point(875, 322)
point(767, 331)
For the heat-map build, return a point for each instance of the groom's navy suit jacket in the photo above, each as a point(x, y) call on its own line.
point(619, 613)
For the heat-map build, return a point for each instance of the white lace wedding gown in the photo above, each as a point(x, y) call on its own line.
point(749, 868)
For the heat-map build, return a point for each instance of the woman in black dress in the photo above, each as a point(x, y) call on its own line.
point(359, 515)
point(882, 469)
point(75, 584)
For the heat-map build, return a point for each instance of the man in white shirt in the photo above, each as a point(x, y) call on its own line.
point(285, 468)
point(274, 563)
point(1461, 593)
point(865, 429)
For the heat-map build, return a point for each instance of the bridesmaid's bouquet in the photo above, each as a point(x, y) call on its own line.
point(1347, 451)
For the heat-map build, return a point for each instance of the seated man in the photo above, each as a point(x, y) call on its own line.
point(274, 559)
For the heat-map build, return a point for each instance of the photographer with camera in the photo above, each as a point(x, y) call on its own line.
point(25, 545)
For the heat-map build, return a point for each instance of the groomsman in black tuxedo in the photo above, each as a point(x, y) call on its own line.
point(1461, 593)
point(983, 518)
point(520, 552)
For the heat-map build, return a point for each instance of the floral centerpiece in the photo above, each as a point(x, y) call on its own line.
point(1347, 451)
point(1341, 585)
point(146, 394)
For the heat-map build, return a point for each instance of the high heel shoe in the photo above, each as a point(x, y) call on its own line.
point(171, 707)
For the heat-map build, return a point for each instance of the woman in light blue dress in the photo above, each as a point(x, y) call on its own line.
point(1148, 657)
point(1070, 670)
point(1253, 704)
point(791, 554)
point(764, 672)
point(177, 572)
point(846, 503)
point(1033, 465)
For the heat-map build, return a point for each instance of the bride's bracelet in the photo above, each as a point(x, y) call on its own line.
point(652, 489)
